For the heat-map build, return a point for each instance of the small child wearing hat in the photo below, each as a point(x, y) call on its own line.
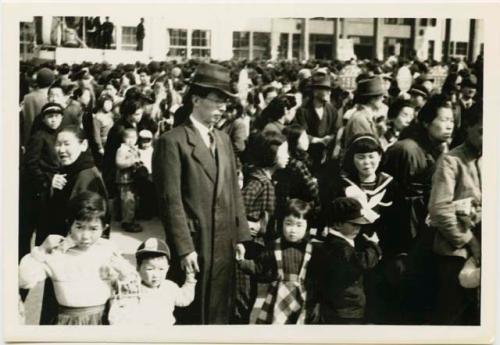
point(128, 162)
point(40, 173)
point(344, 259)
point(157, 296)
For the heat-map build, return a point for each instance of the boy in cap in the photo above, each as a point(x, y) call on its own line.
point(344, 260)
point(157, 296)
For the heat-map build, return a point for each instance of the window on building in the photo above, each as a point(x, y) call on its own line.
point(392, 21)
point(461, 48)
point(283, 48)
point(296, 46)
point(26, 40)
point(200, 43)
point(241, 44)
point(129, 41)
point(408, 21)
point(261, 45)
point(397, 46)
point(178, 42)
point(433, 21)
point(451, 48)
point(423, 21)
point(320, 46)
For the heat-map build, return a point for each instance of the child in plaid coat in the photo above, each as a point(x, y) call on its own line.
point(271, 154)
point(284, 264)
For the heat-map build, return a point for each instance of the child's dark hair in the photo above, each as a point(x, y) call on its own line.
point(297, 208)
point(88, 206)
point(293, 133)
point(127, 131)
point(360, 143)
point(397, 106)
point(103, 99)
point(265, 147)
point(139, 258)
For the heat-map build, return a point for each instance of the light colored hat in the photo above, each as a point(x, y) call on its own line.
point(145, 134)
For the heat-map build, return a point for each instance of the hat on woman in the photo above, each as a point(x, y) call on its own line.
point(213, 76)
point(370, 87)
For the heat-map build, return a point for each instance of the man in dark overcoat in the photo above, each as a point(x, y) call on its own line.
point(319, 118)
point(200, 203)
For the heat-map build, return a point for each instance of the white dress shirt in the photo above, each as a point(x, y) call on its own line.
point(203, 130)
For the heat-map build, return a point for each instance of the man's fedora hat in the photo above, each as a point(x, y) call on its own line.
point(212, 76)
point(321, 81)
point(370, 87)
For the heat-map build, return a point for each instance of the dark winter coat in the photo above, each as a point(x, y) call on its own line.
point(81, 176)
point(340, 287)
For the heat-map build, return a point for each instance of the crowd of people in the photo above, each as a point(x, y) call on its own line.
point(286, 197)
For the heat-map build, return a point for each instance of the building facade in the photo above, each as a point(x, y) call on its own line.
point(265, 38)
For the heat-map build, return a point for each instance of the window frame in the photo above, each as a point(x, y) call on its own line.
point(128, 46)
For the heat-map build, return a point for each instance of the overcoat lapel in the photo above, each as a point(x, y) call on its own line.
point(222, 161)
point(201, 153)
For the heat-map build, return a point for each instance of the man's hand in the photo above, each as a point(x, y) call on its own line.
point(189, 263)
point(240, 252)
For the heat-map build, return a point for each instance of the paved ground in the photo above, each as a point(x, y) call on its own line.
point(127, 242)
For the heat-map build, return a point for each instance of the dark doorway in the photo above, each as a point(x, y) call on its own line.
point(323, 51)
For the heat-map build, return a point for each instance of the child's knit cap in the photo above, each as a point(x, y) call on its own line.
point(153, 245)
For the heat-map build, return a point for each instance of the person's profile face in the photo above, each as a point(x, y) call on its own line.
point(441, 128)
point(282, 156)
point(211, 108)
point(322, 94)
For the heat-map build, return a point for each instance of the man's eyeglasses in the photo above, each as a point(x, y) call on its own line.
point(218, 101)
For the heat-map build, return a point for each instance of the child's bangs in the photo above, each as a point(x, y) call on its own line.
point(89, 215)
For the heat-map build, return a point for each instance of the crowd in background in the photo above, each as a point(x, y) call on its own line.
point(388, 176)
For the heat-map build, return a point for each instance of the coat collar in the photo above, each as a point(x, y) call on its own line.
point(201, 153)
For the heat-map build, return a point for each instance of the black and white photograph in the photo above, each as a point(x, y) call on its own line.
point(203, 167)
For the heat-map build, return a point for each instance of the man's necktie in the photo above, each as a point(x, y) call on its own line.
point(212, 142)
